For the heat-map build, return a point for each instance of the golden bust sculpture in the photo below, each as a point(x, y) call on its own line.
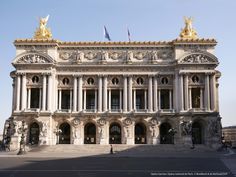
point(43, 32)
point(188, 32)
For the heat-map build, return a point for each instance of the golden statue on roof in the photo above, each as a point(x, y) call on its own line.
point(188, 32)
point(43, 32)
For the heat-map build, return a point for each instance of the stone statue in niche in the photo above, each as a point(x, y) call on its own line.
point(76, 133)
point(79, 56)
point(44, 129)
point(154, 56)
point(153, 131)
point(130, 57)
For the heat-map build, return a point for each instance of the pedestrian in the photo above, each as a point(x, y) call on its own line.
point(111, 150)
point(192, 143)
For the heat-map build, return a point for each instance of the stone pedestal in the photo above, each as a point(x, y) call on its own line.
point(130, 141)
point(155, 141)
point(15, 143)
point(187, 140)
point(43, 140)
point(78, 141)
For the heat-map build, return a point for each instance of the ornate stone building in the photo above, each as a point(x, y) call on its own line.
point(115, 92)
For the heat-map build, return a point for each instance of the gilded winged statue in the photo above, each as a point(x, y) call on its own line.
point(188, 32)
point(43, 32)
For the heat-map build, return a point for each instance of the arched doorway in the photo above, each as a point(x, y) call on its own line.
point(64, 136)
point(90, 133)
point(165, 136)
point(115, 134)
point(140, 133)
point(197, 133)
point(34, 133)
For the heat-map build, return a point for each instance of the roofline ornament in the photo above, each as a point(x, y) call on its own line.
point(188, 32)
point(42, 32)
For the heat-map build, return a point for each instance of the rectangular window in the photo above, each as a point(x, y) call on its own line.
point(90, 99)
point(165, 102)
point(140, 100)
point(65, 99)
point(115, 99)
point(34, 99)
point(196, 98)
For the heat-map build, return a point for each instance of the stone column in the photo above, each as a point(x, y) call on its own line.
point(75, 94)
point(80, 94)
point(170, 99)
point(84, 99)
point(18, 92)
point(190, 98)
point(207, 95)
point(49, 95)
point(130, 93)
point(105, 93)
point(213, 92)
point(145, 99)
point(186, 92)
point(44, 92)
point(125, 94)
point(201, 98)
point(120, 100)
point(109, 98)
point(24, 92)
point(150, 107)
point(29, 97)
point(59, 104)
point(176, 93)
point(71, 99)
point(40, 98)
point(181, 95)
point(134, 99)
point(159, 99)
point(96, 100)
point(155, 95)
point(99, 93)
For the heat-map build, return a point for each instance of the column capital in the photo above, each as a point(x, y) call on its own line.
point(125, 75)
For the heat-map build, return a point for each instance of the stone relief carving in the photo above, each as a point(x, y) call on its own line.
point(130, 56)
point(214, 127)
point(197, 58)
point(76, 122)
point(76, 133)
point(139, 55)
point(33, 58)
point(44, 129)
point(115, 55)
point(101, 121)
point(128, 121)
point(90, 55)
point(153, 122)
point(153, 131)
point(101, 132)
point(186, 127)
point(65, 55)
point(165, 55)
point(154, 56)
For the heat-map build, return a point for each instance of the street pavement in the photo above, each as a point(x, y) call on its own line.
point(196, 163)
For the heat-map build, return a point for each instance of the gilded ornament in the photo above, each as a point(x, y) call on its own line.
point(43, 32)
point(188, 32)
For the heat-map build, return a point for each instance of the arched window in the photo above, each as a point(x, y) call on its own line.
point(195, 79)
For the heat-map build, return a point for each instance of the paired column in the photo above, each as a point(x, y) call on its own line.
point(105, 93)
point(75, 94)
point(213, 92)
point(186, 98)
point(190, 98)
point(49, 94)
point(59, 103)
point(207, 95)
point(150, 107)
point(170, 99)
point(125, 94)
point(155, 95)
point(181, 95)
point(134, 100)
point(29, 97)
point(44, 92)
point(24, 92)
point(18, 92)
point(99, 93)
point(130, 93)
point(80, 93)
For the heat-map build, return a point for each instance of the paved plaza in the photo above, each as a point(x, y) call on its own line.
point(126, 161)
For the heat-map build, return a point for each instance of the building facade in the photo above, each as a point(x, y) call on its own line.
point(115, 92)
point(229, 135)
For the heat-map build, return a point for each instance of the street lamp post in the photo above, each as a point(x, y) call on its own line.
point(22, 130)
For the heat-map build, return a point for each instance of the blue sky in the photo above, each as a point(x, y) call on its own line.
point(148, 20)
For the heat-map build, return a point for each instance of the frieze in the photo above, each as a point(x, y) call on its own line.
point(198, 58)
point(33, 58)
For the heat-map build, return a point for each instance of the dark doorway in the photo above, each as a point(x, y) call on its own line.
point(90, 133)
point(115, 134)
point(197, 133)
point(64, 137)
point(34, 134)
point(140, 133)
point(165, 135)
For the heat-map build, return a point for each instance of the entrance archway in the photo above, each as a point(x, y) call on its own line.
point(64, 136)
point(140, 133)
point(90, 133)
point(197, 133)
point(34, 133)
point(165, 135)
point(115, 133)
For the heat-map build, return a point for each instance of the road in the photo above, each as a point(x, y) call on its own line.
point(111, 166)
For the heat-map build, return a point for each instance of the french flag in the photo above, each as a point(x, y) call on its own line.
point(106, 34)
